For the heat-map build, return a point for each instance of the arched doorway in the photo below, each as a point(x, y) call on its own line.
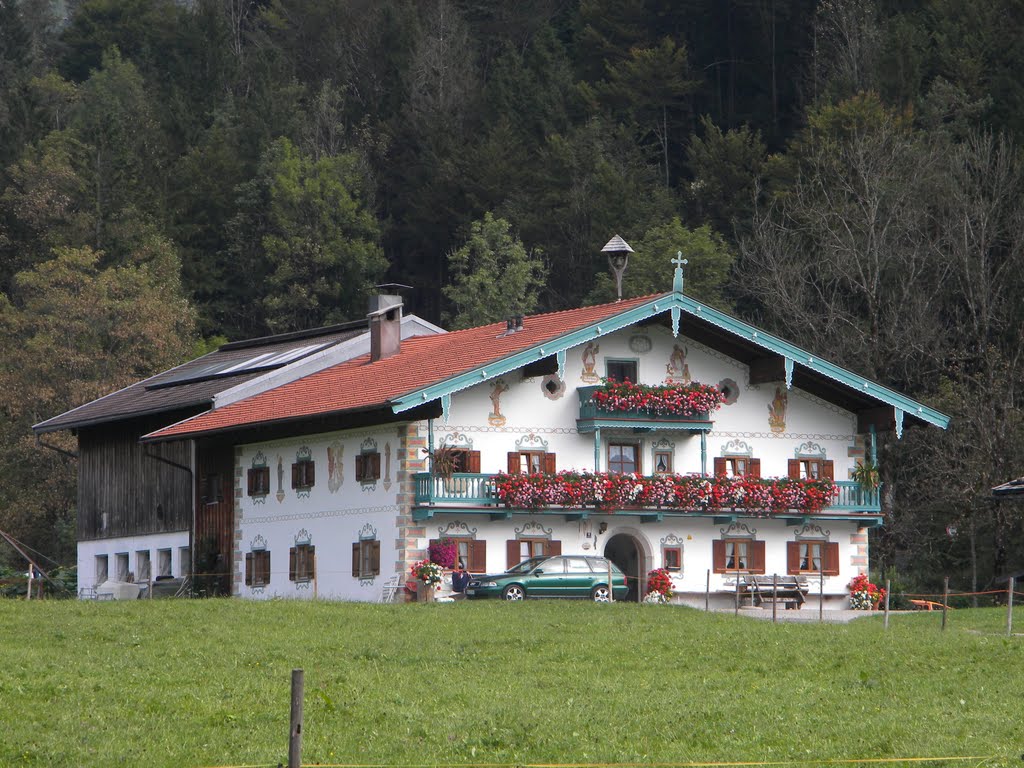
point(624, 550)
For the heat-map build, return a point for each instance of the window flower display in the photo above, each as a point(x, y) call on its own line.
point(686, 400)
point(604, 490)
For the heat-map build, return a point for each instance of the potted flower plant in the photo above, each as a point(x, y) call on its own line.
point(866, 475)
point(428, 575)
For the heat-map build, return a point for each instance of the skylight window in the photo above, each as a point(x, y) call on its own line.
point(264, 361)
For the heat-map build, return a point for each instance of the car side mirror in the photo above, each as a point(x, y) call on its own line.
point(538, 572)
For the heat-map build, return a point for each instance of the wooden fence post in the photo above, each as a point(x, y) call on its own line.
point(821, 589)
point(1009, 606)
point(707, 592)
point(295, 732)
point(887, 588)
point(736, 608)
point(945, 600)
point(775, 598)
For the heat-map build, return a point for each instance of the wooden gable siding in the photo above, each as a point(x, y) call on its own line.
point(215, 516)
point(124, 492)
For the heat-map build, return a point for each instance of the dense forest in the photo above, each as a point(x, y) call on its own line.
point(847, 173)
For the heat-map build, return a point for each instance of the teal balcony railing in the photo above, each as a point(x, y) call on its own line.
point(477, 490)
point(591, 414)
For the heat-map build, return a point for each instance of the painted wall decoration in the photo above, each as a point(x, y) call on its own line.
point(495, 417)
point(387, 466)
point(677, 371)
point(552, 386)
point(335, 466)
point(810, 450)
point(532, 442)
point(777, 411)
point(589, 358)
point(737, 448)
point(640, 342)
point(457, 440)
point(280, 478)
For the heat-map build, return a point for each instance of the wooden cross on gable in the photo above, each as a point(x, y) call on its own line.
point(677, 281)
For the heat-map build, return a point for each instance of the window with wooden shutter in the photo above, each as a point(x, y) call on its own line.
point(531, 462)
point(366, 558)
point(737, 555)
point(812, 557)
point(259, 481)
point(811, 469)
point(831, 556)
point(303, 475)
point(517, 550)
point(367, 467)
point(257, 568)
point(737, 466)
point(302, 563)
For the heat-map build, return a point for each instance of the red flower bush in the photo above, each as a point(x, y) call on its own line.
point(659, 581)
point(604, 490)
point(864, 595)
point(661, 400)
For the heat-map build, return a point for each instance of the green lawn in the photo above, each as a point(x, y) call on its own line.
point(206, 683)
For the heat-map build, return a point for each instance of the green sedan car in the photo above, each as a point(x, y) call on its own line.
point(560, 576)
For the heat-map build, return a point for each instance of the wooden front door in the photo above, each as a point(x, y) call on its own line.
point(215, 522)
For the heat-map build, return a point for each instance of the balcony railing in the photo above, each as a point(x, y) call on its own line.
point(592, 415)
point(478, 490)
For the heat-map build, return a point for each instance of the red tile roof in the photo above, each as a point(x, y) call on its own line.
point(358, 384)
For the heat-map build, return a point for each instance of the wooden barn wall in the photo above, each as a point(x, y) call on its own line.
point(139, 495)
point(215, 516)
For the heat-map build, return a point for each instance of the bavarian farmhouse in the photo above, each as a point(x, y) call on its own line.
point(324, 463)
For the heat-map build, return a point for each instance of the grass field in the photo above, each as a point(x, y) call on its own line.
point(206, 683)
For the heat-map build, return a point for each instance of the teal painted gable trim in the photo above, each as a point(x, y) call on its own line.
point(552, 347)
point(679, 304)
point(802, 357)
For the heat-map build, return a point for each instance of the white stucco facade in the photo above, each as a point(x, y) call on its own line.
point(167, 554)
point(516, 412)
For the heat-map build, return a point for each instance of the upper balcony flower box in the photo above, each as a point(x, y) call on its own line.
point(667, 406)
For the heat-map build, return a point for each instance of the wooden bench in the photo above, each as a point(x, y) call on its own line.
point(789, 590)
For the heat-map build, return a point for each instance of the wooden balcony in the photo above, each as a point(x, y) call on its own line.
point(592, 417)
point(466, 492)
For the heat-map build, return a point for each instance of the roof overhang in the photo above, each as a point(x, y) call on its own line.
point(770, 358)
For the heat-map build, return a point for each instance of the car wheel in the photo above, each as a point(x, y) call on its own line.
point(513, 592)
point(600, 594)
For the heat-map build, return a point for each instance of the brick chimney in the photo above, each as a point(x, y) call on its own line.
point(385, 326)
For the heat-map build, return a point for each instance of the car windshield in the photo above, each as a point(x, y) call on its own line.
point(527, 565)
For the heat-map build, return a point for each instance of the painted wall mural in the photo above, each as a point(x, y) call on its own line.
point(280, 478)
point(589, 358)
point(495, 418)
point(335, 466)
point(387, 466)
point(677, 371)
point(777, 411)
